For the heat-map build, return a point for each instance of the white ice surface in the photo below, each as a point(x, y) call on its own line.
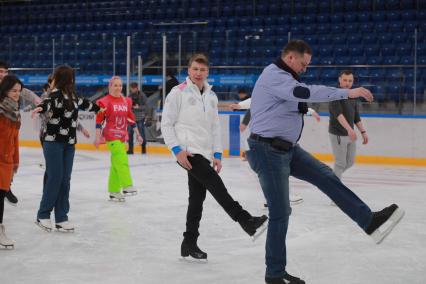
point(138, 241)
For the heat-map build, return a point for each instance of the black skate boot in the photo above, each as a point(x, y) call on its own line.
point(254, 226)
point(287, 279)
point(192, 253)
point(383, 222)
point(13, 200)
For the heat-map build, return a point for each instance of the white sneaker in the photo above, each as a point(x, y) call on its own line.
point(45, 224)
point(4, 240)
point(116, 196)
point(295, 199)
point(65, 226)
point(130, 190)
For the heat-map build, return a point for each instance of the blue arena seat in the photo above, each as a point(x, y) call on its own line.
point(354, 39)
point(329, 74)
point(323, 18)
point(379, 92)
point(324, 39)
point(340, 51)
point(356, 49)
point(409, 15)
point(366, 27)
point(359, 60)
point(385, 38)
point(351, 5)
point(395, 91)
point(419, 91)
point(309, 19)
point(388, 50)
point(393, 16)
point(394, 74)
point(404, 49)
point(378, 16)
point(396, 27)
point(372, 50)
point(408, 4)
point(369, 38)
point(336, 18)
point(338, 6)
point(275, 9)
point(374, 60)
point(392, 5)
point(365, 5)
point(327, 60)
point(343, 60)
point(407, 60)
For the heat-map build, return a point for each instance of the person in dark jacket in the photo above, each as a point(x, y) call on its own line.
point(141, 110)
point(344, 114)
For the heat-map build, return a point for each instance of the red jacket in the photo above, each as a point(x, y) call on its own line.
point(115, 118)
point(9, 150)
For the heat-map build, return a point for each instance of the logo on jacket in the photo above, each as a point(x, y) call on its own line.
point(192, 101)
point(120, 108)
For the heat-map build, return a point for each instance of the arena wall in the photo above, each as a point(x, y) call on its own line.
point(392, 139)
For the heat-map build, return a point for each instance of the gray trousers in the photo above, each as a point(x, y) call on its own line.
point(344, 153)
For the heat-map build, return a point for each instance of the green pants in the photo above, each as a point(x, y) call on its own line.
point(119, 174)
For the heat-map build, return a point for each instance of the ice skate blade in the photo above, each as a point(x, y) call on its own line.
point(113, 199)
point(190, 259)
point(384, 230)
point(260, 231)
point(11, 203)
point(66, 231)
point(7, 247)
point(43, 227)
point(296, 202)
point(130, 193)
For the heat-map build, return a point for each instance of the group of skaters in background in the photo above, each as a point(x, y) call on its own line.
point(190, 126)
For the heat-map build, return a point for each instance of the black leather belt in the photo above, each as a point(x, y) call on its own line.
point(277, 143)
point(260, 138)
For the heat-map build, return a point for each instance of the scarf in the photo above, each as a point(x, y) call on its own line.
point(10, 109)
point(302, 106)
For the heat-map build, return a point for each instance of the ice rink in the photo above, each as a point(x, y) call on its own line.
point(138, 241)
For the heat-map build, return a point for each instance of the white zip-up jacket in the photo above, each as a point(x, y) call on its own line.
point(190, 120)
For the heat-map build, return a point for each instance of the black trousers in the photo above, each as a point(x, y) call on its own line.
point(2, 195)
point(203, 177)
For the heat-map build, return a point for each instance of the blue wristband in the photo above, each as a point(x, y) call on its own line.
point(176, 149)
point(217, 155)
point(98, 125)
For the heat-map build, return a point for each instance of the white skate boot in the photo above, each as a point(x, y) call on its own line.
point(130, 190)
point(4, 240)
point(117, 197)
point(65, 226)
point(45, 224)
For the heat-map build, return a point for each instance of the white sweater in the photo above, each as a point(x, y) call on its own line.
point(190, 120)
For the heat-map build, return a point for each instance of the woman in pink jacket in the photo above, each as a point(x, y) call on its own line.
point(114, 120)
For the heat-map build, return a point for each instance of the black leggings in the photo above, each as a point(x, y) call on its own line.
point(2, 195)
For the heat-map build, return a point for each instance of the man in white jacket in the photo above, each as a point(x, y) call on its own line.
point(191, 129)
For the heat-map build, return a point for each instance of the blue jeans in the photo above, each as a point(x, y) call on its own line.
point(141, 127)
point(59, 161)
point(274, 168)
